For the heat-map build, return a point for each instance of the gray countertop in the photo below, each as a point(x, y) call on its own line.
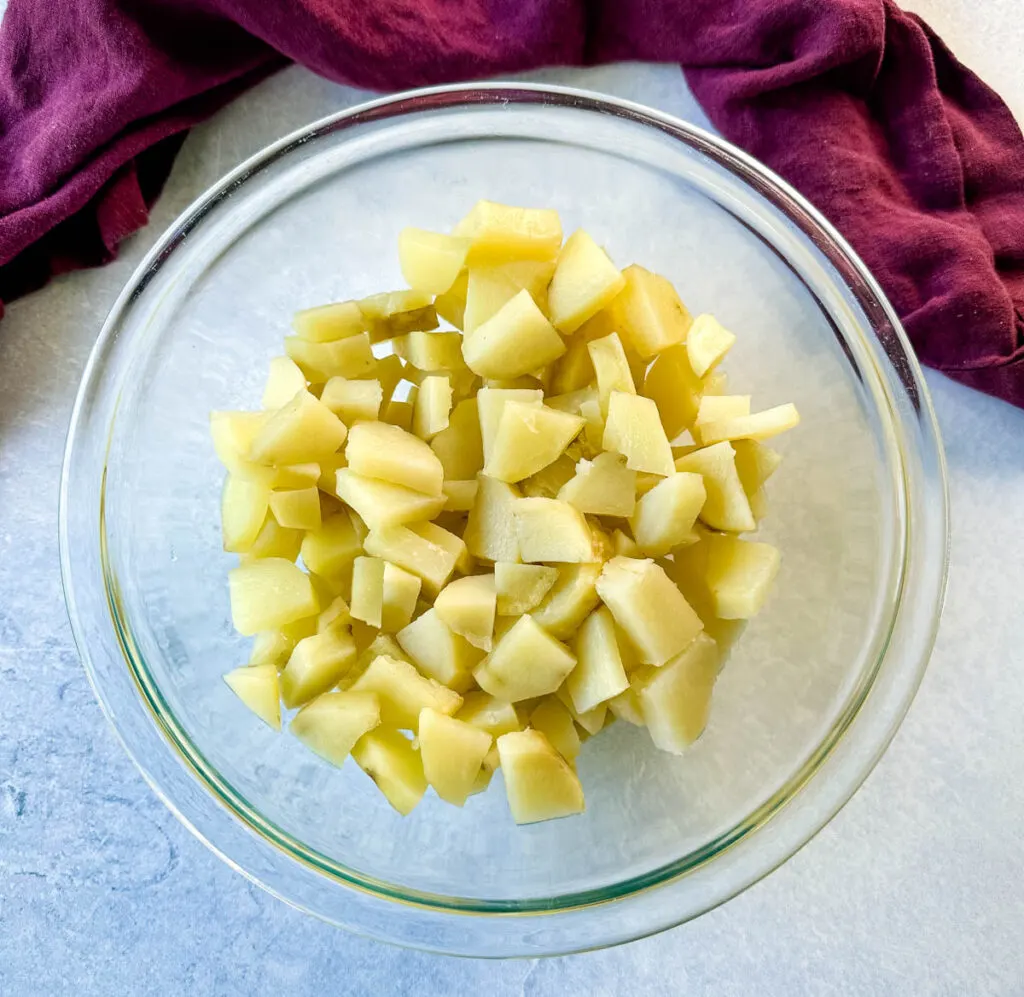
point(915, 888)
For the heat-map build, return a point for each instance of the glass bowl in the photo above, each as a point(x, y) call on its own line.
point(811, 694)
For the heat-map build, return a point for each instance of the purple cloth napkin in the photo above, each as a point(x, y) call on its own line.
point(855, 102)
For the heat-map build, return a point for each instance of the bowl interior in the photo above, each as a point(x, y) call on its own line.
point(321, 224)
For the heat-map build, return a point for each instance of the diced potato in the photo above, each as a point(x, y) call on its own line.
point(332, 723)
point(648, 607)
point(451, 305)
point(328, 480)
point(602, 487)
point(716, 407)
point(593, 721)
point(233, 434)
point(447, 540)
point(400, 592)
point(707, 343)
point(439, 652)
point(295, 475)
point(540, 784)
point(611, 368)
point(353, 401)
point(427, 560)
point(491, 529)
point(394, 765)
point(303, 430)
point(452, 752)
point(327, 323)
point(330, 549)
point(529, 438)
point(585, 280)
point(270, 647)
point(551, 530)
point(758, 426)
point(394, 313)
point(377, 450)
point(570, 600)
point(243, 509)
point(467, 605)
point(268, 593)
point(398, 411)
point(403, 692)
point(488, 290)
point(490, 404)
point(283, 381)
point(598, 675)
point(549, 481)
point(665, 516)
point(624, 546)
point(381, 504)
point(726, 506)
point(297, 508)
point(482, 710)
point(319, 362)
point(257, 687)
point(739, 575)
point(336, 614)
point(514, 341)
point(626, 706)
point(388, 371)
point(499, 232)
point(459, 496)
point(382, 644)
point(675, 699)
point(633, 428)
point(431, 351)
point(317, 664)
point(521, 587)
point(672, 385)
point(526, 662)
point(649, 312)
point(368, 590)
point(431, 261)
point(755, 464)
point(460, 447)
point(433, 407)
point(715, 383)
point(555, 722)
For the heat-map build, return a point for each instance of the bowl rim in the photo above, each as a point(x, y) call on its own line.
point(897, 350)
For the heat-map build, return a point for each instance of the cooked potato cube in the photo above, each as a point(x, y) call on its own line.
point(602, 487)
point(394, 765)
point(431, 261)
point(593, 721)
point(243, 510)
point(382, 645)
point(233, 434)
point(268, 593)
point(331, 724)
point(755, 464)
point(551, 530)
point(649, 313)
point(514, 341)
point(447, 540)
point(585, 280)
point(336, 614)
point(540, 784)
point(400, 593)
point(488, 290)
point(330, 549)
point(377, 450)
point(499, 232)
point(319, 362)
point(648, 607)
point(328, 323)
point(611, 368)
point(452, 752)
point(459, 496)
point(549, 481)
point(491, 530)
point(555, 722)
point(598, 675)
point(626, 706)
point(526, 662)
point(496, 716)
point(675, 699)
point(381, 504)
point(431, 351)
point(439, 652)
point(633, 428)
point(570, 600)
point(403, 692)
point(467, 605)
point(451, 305)
point(490, 404)
point(707, 343)
point(257, 687)
point(283, 381)
point(624, 546)
point(716, 407)
point(427, 560)
point(715, 383)
point(270, 647)
point(317, 664)
point(433, 407)
point(394, 313)
point(303, 430)
point(726, 506)
point(521, 587)
point(353, 401)
point(368, 590)
point(398, 411)
point(529, 438)
point(460, 447)
point(672, 385)
point(388, 371)
point(739, 575)
point(758, 426)
point(665, 516)
point(297, 508)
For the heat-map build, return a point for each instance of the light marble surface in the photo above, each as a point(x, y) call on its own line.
point(915, 888)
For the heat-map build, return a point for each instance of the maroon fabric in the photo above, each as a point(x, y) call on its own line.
point(858, 104)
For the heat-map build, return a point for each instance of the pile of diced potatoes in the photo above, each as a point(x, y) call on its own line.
point(513, 530)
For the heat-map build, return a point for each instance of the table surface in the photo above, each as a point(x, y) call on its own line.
point(915, 888)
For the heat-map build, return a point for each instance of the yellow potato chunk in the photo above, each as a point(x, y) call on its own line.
point(499, 232)
point(233, 434)
point(381, 504)
point(353, 401)
point(514, 341)
point(555, 722)
point(257, 687)
point(707, 343)
point(331, 549)
point(296, 475)
point(649, 313)
point(431, 351)
point(316, 664)
point(549, 481)
point(297, 508)
point(394, 765)
point(755, 463)
point(327, 323)
point(739, 575)
point(526, 662)
point(540, 784)
point(714, 408)
point(675, 699)
point(271, 647)
point(319, 362)
point(433, 406)
point(268, 593)
point(430, 561)
point(649, 608)
point(431, 261)
point(585, 280)
point(451, 305)
point(451, 542)
point(398, 411)
point(569, 601)
point(551, 530)
point(400, 592)
point(602, 487)
point(626, 707)
point(489, 288)
point(490, 404)
point(452, 753)
point(482, 710)
point(715, 383)
point(592, 721)
point(394, 313)
point(521, 587)
point(459, 496)
point(459, 448)
point(331, 724)
point(726, 506)
point(377, 450)
point(665, 516)
point(599, 674)
point(672, 385)
point(382, 645)
point(468, 605)
point(611, 369)
point(439, 652)
point(624, 545)
point(368, 590)
point(336, 614)
point(303, 430)
point(757, 426)
point(633, 428)
point(403, 692)
point(491, 530)
point(283, 381)
point(529, 438)
point(243, 510)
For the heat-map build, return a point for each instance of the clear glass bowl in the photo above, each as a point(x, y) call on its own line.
point(811, 695)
